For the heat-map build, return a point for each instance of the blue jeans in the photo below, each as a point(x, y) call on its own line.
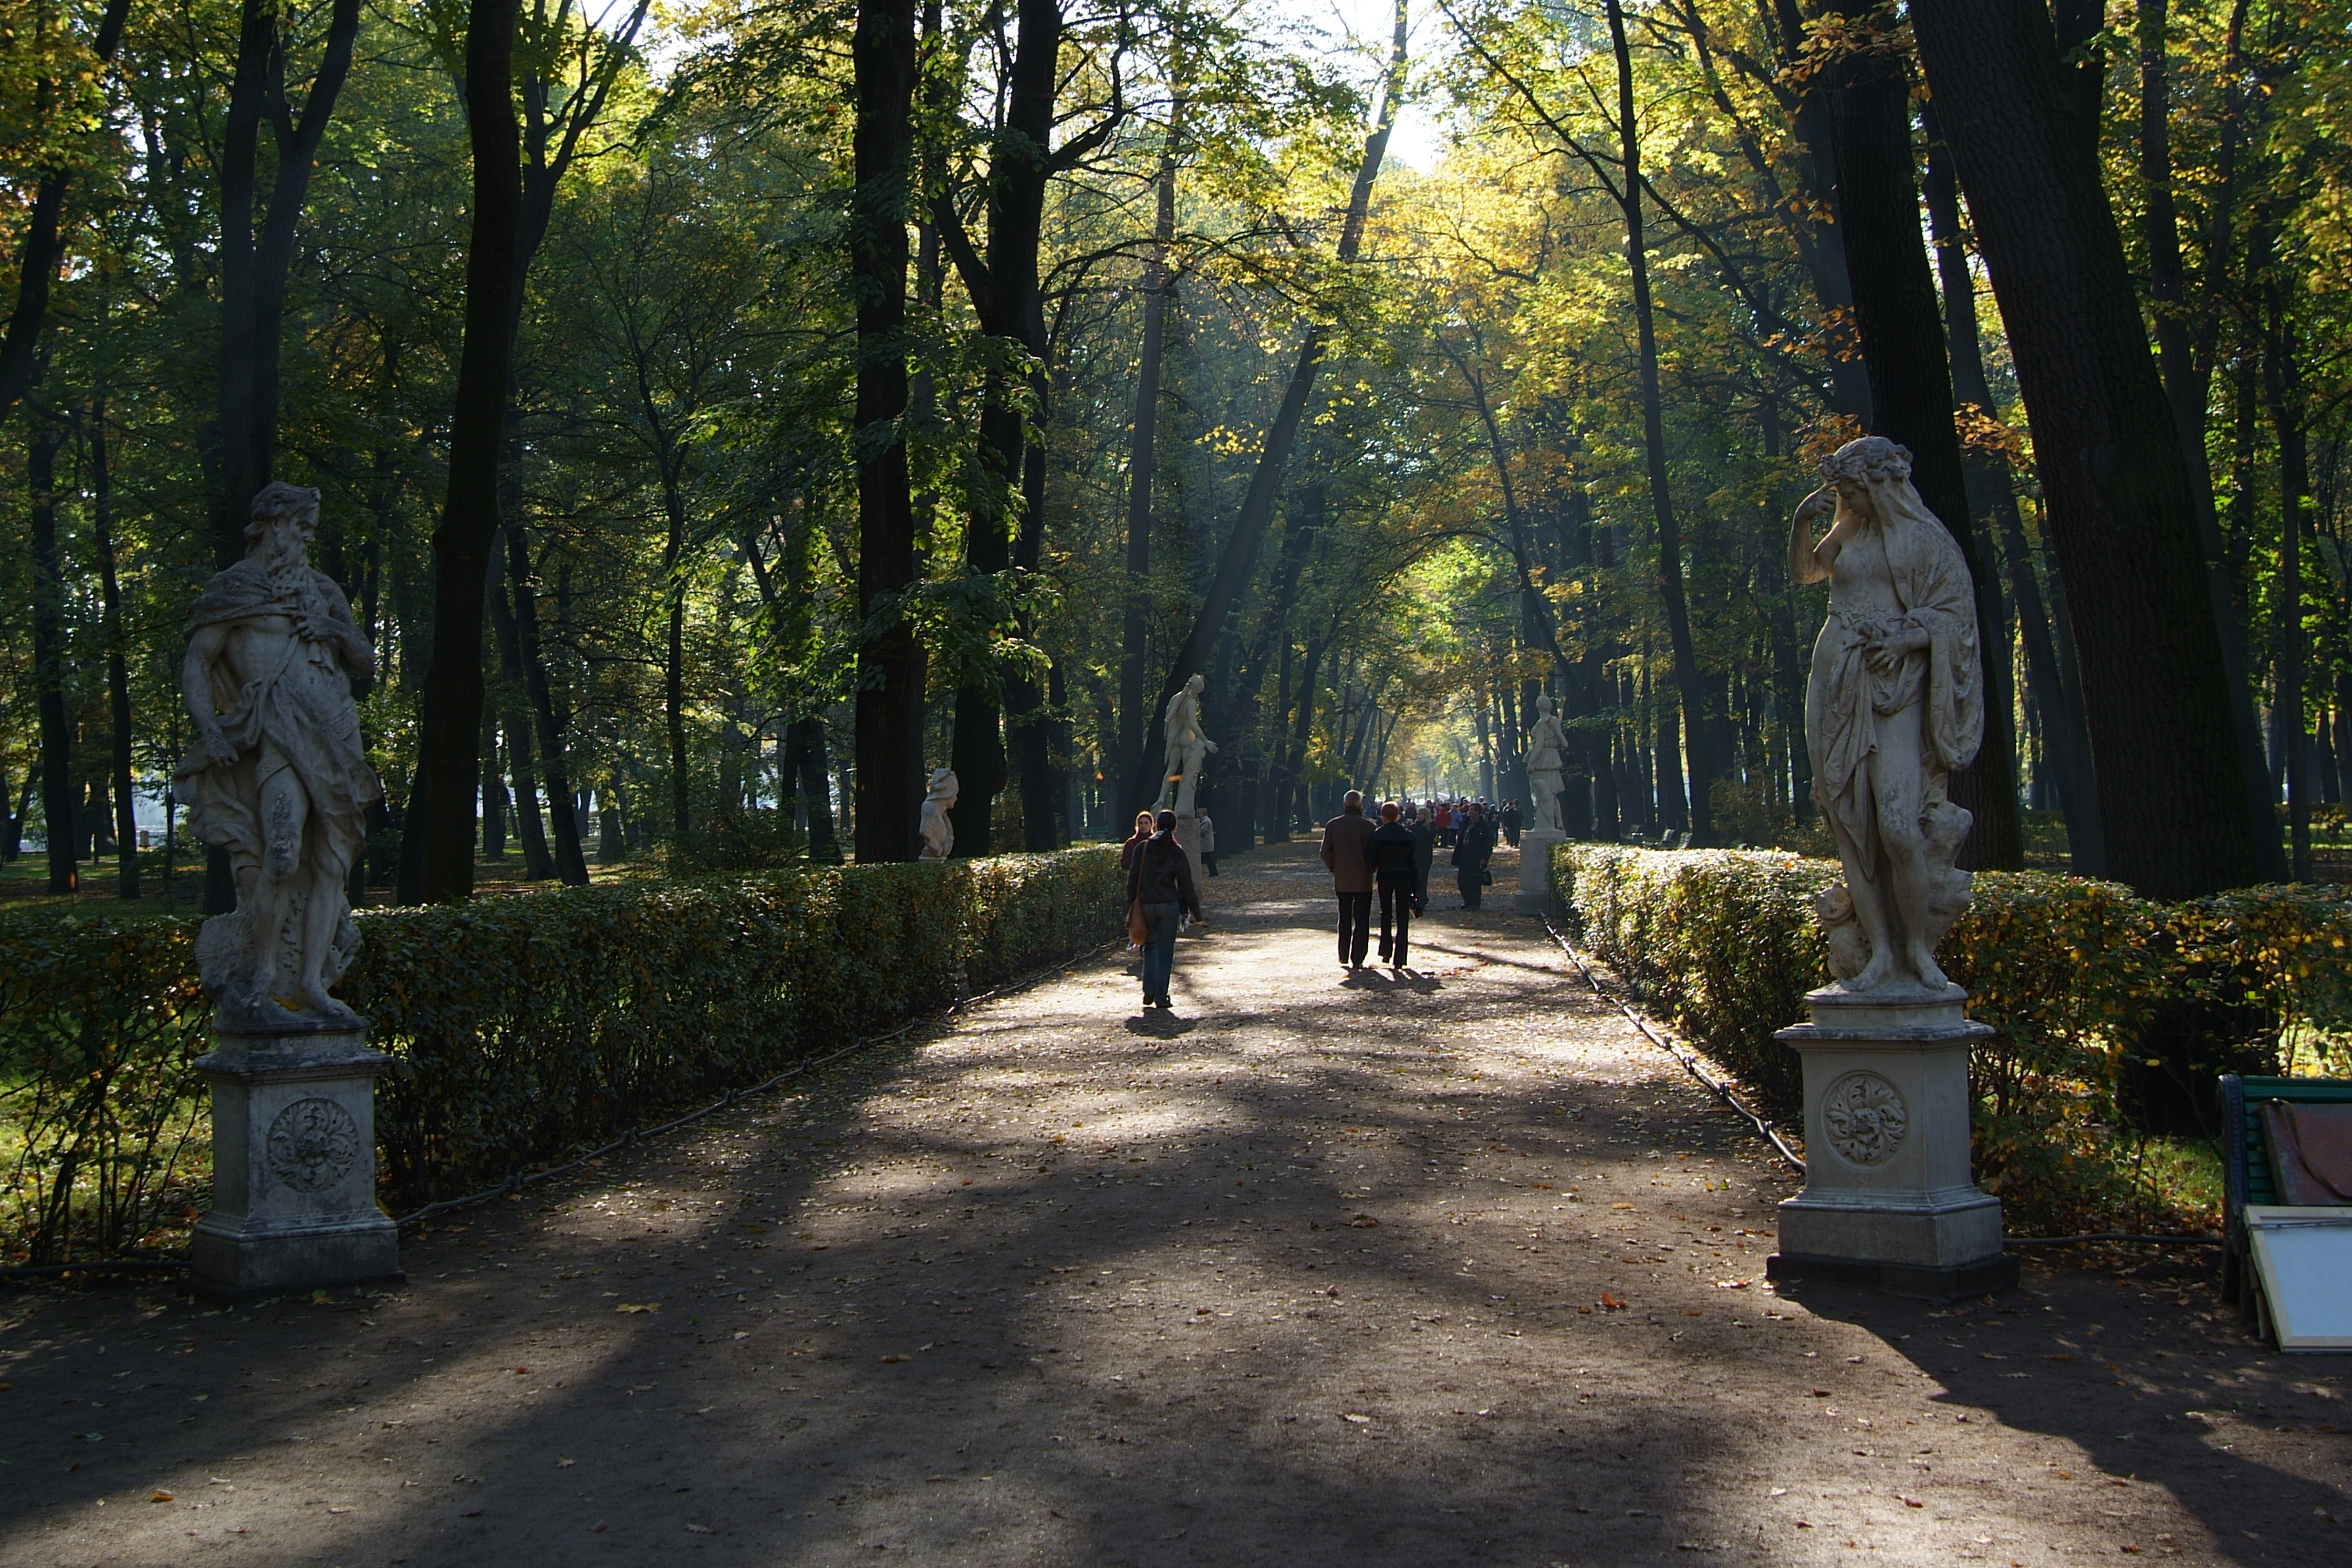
point(1159, 948)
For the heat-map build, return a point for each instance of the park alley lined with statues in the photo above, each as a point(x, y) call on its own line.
point(1321, 1269)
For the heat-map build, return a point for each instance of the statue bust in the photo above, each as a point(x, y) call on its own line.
point(939, 829)
point(1894, 707)
point(277, 776)
point(1547, 763)
point(1187, 749)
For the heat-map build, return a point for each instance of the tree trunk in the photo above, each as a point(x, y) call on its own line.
point(44, 246)
point(1240, 555)
point(2283, 385)
point(60, 818)
point(1825, 254)
point(118, 666)
point(440, 807)
point(890, 667)
point(253, 268)
point(1687, 681)
point(2066, 746)
point(2187, 331)
point(571, 864)
point(494, 794)
point(538, 865)
point(1904, 340)
point(2120, 510)
point(1142, 457)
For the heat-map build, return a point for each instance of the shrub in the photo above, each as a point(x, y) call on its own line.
point(523, 1026)
point(2077, 978)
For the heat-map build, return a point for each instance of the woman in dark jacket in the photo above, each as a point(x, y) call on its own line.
point(1160, 882)
point(1395, 862)
point(1135, 841)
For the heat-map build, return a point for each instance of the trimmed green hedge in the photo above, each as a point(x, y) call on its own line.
point(525, 1026)
point(2087, 986)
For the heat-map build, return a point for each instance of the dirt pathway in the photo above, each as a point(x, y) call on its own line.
point(1321, 1269)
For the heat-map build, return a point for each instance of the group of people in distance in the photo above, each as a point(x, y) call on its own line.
point(1389, 859)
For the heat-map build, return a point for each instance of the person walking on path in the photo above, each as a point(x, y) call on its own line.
point(1424, 825)
point(1472, 850)
point(1511, 823)
point(1395, 860)
point(1135, 841)
point(1160, 884)
point(1444, 819)
point(1345, 838)
point(1204, 836)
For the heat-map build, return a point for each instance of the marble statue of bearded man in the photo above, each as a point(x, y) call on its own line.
point(1895, 706)
point(278, 777)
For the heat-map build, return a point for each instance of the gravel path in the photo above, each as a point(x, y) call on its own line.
point(1319, 1269)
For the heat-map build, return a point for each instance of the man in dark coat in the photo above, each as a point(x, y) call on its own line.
point(1472, 850)
point(1345, 838)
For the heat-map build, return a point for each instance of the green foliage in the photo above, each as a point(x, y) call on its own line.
point(523, 1027)
point(2071, 974)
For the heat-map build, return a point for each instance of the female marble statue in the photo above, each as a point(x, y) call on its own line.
point(937, 828)
point(1547, 764)
point(1895, 705)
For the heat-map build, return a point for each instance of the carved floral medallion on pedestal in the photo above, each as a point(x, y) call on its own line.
point(1865, 1119)
point(312, 1143)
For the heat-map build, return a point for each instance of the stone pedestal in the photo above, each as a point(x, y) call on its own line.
point(294, 1204)
point(1888, 1199)
point(1187, 839)
point(1534, 868)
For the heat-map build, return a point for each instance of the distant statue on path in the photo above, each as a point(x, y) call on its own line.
point(1188, 748)
point(938, 829)
point(277, 776)
point(1547, 764)
point(1895, 706)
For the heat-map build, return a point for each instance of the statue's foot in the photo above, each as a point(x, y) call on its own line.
point(1923, 960)
point(315, 997)
point(1874, 974)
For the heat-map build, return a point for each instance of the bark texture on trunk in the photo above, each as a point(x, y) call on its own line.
point(1688, 685)
point(2121, 515)
point(118, 664)
point(440, 808)
point(59, 812)
point(1904, 340)
point(889, 663)
point(1142, 457)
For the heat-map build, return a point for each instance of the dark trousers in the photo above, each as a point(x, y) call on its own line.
point(1209, 860)
point(1355, 926)
point(1472, 880)
point(1396, 903)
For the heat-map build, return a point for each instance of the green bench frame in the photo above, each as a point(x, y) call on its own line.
point(2246, 1161)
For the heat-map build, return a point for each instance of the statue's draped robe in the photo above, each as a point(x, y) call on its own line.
point(1845, 698)
point(300, 716)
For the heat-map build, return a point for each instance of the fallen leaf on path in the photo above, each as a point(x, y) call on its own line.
point(1909, 1502)
point(638, 1307)
point(161, 1497)
point(890, 1360)
point(1610, 1303)
point(1732, 1284)
point(1365, 1221)
point(699, 1529)
point(1358, 1420)
point(563, 1464)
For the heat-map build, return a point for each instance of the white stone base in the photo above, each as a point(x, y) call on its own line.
point(1888, 1198)
point(1535, 869)
point(294, 1204)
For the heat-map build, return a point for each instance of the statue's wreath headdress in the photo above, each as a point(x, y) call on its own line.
point(1872, 459)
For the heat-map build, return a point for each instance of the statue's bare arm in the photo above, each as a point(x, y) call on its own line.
point(204, 645)
point(338, 627)
point(1810, 560)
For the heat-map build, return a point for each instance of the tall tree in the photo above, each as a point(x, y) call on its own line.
point(2120, 510)
point(1142, 462)
point(440, 811)
point(1698, 752)
point(1911, 385)
point(889, 661)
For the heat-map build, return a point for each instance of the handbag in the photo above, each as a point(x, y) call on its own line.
point(1137, 928)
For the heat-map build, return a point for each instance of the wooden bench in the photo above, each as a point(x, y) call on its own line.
point(2246, 1169)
